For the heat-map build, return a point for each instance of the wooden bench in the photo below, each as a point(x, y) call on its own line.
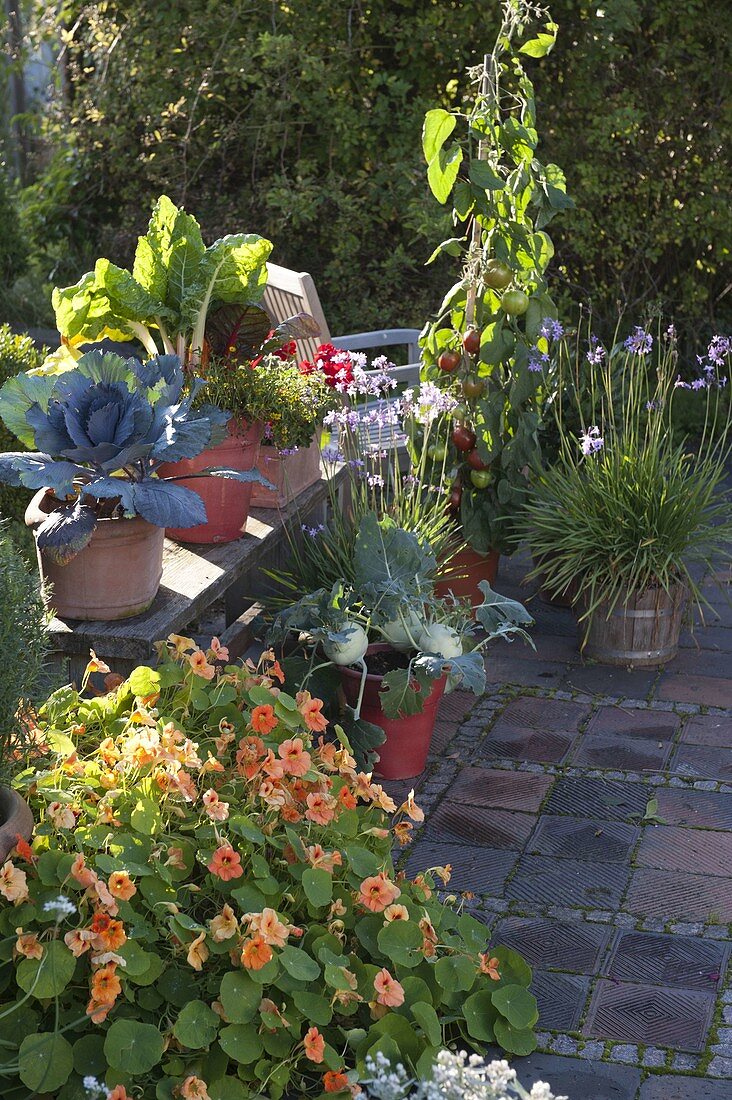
point(194, 577)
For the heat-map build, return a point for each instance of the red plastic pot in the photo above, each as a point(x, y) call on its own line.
point(404, 753)
point(227, 502)
point(465, 571)
point(116, 576)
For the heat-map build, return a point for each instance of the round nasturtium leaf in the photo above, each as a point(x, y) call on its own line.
point(133, 1047)
point(480, 1016)
point(48, 976)
point(514, 1039)
point(89, 1055)
point(196, 1025)
point(401, 942)
point(299, 964)
point(241, 1042)
point(240, 996)
point(517, 1005)
point(45, 1061)
point(455, 972)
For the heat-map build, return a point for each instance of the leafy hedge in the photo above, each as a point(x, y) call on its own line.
point(302, 121)
point(17, 353)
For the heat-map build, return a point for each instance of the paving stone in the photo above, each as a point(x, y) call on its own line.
point(455, 706)
point(706, 663)
point(555, 944)
point(602, 680)
point(624, 1052)
point(709, 729)
point(678, 896)
point(650, 725)
point(502, 670)
point(598, 798)
point(581, 838)
point(684, 1062)
point(580, 1079)
point(648, 1014)
point(697, 809)
point(476, 825)
point(526, 744)
point(564, 1045)
point(593, 1049)
point(534, 713)
point(560, 999)
point(688, 928)
point(710, 691)
point(500, 789)
point(673, 1087)
point(674, 849)
point(654, 1058)
point(626, 752)
point(540, 879)
point(480, 871)
point(667, 960)
point(720, 1067)
point(713, 763)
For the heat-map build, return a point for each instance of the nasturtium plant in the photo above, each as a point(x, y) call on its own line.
point(209, 906)
point(491, 337)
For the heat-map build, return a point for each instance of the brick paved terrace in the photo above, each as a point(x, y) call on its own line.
point(587, 814)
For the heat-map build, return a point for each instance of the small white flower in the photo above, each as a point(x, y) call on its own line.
point(60, 906)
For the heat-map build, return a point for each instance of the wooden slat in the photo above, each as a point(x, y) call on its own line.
point(193, 578)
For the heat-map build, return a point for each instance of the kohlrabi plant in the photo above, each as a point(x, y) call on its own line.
point(392, 599)
point(171, 298)
point(100, 432)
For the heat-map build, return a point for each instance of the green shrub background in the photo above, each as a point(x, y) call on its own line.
point(302, 122)
point(17, 353)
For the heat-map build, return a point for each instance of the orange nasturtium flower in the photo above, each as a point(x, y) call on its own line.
point(226, 863)
point(121, 885)
point(193, 1088)
point(377, 892)
point(255, 953)
point(314, 1044)
point(334, 1081)
point(311, 710)
point(294, 757)
point(106, 985)
point(263, 719)
point(198, 952)
point(389, 992)
point(13, 882)
point(490, 966)
point(200, 665)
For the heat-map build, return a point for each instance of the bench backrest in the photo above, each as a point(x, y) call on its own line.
point(290, 292)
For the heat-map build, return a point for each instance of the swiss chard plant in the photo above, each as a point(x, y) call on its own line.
point(392, 599)
point(492, 333)
point(100, 431)
point(179, 293)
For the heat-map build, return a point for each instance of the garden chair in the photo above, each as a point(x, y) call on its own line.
point(289, 292)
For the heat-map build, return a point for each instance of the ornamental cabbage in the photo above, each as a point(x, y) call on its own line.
point(101, 430)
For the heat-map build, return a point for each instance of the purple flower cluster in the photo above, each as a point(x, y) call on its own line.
point(332, 454)
point(639, 342)
point(596, 352)
point(551, 329)
point(719, 348)
point(429, 403)
point(313, 532)
point(537, 360)
point(591, 441)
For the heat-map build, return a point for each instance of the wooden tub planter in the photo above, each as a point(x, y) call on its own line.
point(641, 632)
point(291, 474)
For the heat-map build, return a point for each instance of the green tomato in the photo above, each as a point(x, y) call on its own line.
point(514, 302)
point(497, 275)
point(480, 478)
point(437, 452)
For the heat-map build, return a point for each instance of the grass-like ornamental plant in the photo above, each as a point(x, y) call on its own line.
point(23, 645)
point(627, 509)
point(101, 431)
point(209, 906)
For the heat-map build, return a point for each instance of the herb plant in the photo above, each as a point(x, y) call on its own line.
point(627, 508)
point(491, 332)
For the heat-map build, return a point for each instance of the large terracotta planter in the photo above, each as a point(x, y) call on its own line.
point(116, 576)
point(227, 501)
point(642, 632)
point(465, 571)
point(290, 474)
point(16, 820)
point(404, 753)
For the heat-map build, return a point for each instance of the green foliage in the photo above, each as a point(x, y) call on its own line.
point(17, 353)
point(239, 937)
point(23, 645)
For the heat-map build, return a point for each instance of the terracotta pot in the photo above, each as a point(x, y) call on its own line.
point(116, 576)
point(227, 502)
point(465, 571)
point(16, 820)
point(642, 632)
point(404, 753)
point(291, 474)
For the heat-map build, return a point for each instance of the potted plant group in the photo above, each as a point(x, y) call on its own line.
point(24, 645)
point(628, 515)
point(209, 906)
point(397, 645)
point(490, 336)
point(102, 430)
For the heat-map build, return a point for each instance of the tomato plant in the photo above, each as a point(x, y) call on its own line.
point(482, 160)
